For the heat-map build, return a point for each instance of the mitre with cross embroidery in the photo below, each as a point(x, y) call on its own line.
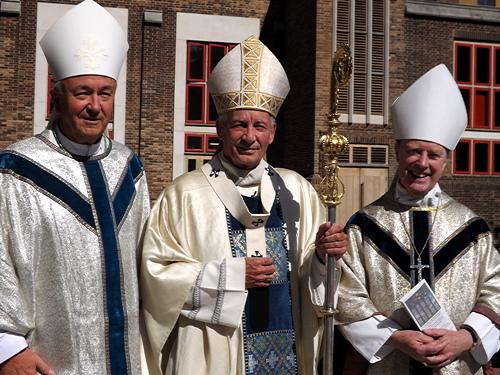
point(87, 40)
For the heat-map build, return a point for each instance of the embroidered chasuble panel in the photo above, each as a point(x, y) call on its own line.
point(437, 258)
point(103, 214)
point(271, 350)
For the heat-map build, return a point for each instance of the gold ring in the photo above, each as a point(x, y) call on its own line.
point(268, 279)
point(425, 364)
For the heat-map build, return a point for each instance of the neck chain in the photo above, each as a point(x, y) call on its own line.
point(419, 266)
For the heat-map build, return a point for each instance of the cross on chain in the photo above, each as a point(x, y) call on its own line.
point(419, 266)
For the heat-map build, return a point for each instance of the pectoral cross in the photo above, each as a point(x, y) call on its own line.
point(419, 266)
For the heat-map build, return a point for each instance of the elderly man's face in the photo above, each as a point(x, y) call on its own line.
point(421, 165)
point(245, 135)
point(85, 106)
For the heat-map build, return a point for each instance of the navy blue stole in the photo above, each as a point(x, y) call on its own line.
point(272, 350)
point(440, 257)
point(110, 211)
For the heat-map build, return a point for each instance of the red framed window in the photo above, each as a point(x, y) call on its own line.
point(477, 157)
point(496, 109)
point(496, 158)
point(477, 72)
point(481, 157)
point(202, 57)
point(193, 142)
point(212, 142)
point(462, 156)
point(200, 143)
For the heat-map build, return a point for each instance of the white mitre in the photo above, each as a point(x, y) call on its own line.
point(249, 77)
point(87, 40)
point(431, 109)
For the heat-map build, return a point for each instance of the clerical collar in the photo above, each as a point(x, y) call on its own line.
point(80, 149)
point(242, 177)
point(431, 199)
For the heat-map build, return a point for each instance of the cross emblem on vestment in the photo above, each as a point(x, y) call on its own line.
point(92, 53)
point(419, 266)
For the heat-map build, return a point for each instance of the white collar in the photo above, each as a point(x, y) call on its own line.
point(243, 177)
point(431, 199)
point(78, 148)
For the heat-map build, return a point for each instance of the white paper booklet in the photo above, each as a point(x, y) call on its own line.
point(425, 309)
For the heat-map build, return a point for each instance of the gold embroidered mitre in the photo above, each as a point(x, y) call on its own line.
point(249, 77)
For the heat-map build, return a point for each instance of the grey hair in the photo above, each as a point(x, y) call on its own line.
point(58, 87)
point(223, 117)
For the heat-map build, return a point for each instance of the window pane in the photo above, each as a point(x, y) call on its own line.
point(195, 103)
point(497, 66)
point(462, 155)
point(191, 165)
point(480, 157)
point(463, 64)
point(481, 109)
point(466, 95)
point(212, 111)
point(486, 2)
point(496, 109)
point(213, 142)
point(216, 54)
point(496, 161)
point(194, 142)
point(196, 62)
point(482, 65)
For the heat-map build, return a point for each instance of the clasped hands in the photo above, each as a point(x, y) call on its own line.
point(432, 347)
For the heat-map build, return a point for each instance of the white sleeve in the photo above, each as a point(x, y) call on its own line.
point(370, 335)
point(10, 345)
point(219, 295)
point(488, 337)
point(317, 281)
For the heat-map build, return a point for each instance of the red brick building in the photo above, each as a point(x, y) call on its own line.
point(163, 111)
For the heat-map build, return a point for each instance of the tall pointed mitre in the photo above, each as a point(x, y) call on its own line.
point(431, 109)
point(87, 40)
point(249, 77)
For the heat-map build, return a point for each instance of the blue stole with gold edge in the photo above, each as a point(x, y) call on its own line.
point(271, 351)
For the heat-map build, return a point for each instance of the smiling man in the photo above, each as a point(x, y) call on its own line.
point(73, 204)
point(232, 270)
point(414, 232)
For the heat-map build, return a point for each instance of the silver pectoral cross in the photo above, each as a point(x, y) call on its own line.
point(419, 266)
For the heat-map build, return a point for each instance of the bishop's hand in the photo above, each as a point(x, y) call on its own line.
point(330, 239)
point(259, 272)
point(25, 363)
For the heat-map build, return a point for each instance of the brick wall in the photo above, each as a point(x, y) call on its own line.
point(417, 45)
point(297, 31)
point(150, 75)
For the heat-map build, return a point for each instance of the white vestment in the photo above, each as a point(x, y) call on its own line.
point(70, 234)
point(463, 270)
point(187, 240)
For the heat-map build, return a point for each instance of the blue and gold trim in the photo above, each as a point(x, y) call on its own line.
point(271, 351)
point(103, 215)
point(441, 257)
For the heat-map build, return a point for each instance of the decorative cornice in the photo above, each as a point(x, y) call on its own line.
point(440, 9)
